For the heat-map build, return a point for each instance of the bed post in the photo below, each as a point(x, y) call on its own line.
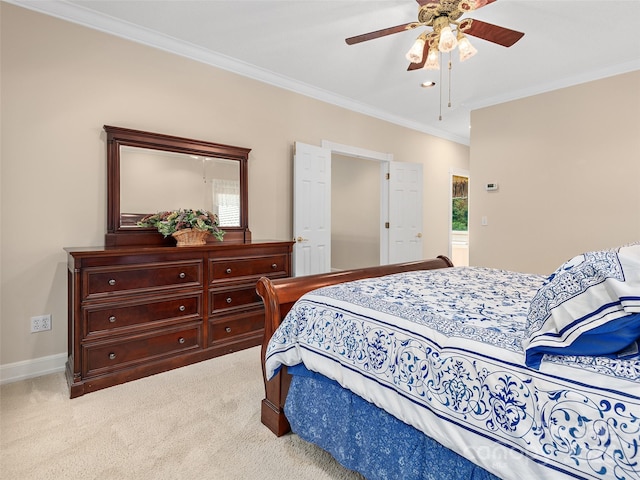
point(275, 390)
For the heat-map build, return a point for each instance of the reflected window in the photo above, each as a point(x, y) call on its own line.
point(154, 180)
point(226, 201)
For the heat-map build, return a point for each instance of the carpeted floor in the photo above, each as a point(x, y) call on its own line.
point(198, 422)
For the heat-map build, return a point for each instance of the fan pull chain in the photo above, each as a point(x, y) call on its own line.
point(449, 79)
point(440, 88)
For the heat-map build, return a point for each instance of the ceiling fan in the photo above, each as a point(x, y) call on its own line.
point(442, 16)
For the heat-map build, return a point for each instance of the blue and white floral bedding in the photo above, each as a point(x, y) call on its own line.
point(442, 351)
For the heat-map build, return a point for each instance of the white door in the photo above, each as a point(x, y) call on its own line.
point(311, 209)
point(405, 212)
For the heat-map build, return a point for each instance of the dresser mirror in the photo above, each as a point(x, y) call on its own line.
point(151, 172)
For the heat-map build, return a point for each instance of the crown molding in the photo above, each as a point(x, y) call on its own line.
point(565, 82)
point(90, 19)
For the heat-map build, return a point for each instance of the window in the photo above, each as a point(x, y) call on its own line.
point(460, 207)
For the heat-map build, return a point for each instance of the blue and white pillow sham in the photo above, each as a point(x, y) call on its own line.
point(588, 306)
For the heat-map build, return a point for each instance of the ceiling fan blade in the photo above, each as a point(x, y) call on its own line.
point(380, 33)
point(492, 33)
point(417, 66)
point(474, 4)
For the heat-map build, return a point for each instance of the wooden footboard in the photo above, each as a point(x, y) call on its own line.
point(280, 295)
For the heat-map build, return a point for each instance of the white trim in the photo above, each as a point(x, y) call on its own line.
point(565, 82)
point(36, 367)
point(385, 168)
point(357, 152)
point(90, 19)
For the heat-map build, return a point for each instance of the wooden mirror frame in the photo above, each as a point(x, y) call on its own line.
point(116, 137)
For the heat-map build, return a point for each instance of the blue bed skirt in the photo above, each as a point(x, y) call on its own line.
point(364, 438)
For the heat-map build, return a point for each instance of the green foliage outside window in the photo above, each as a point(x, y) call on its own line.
point(460, 215)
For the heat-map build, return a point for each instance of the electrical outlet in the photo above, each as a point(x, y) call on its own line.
point(41, 323)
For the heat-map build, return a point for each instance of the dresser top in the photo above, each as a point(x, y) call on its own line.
point(136, 250)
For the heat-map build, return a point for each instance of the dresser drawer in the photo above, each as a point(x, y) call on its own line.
point(141, 278)
point(128, 352)
point(230, 329)
point(116, 317)
point(228, 269)
point(224, 300)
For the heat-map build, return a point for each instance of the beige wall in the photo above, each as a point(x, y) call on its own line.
point(61, 83)
point(568, 168)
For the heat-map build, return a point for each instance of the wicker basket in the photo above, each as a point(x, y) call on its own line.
point(190, 236)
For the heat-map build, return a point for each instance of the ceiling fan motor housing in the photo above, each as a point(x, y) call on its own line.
point(452, 10)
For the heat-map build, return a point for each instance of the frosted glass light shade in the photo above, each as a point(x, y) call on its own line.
point(414, 55)
point(447, 40)
point(432, 62)
point(466, 49)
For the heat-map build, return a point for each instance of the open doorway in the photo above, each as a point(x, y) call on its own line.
point(355, 212)
point(459, 218)
point(399, 208)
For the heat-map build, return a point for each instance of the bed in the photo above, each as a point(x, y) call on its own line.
point(424, 370)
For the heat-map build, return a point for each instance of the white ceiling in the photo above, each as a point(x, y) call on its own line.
point(299, 45)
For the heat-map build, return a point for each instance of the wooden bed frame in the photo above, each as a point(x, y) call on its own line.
point(280, 295)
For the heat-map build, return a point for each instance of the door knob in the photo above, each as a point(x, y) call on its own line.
point(419, 235)
point(300, 239)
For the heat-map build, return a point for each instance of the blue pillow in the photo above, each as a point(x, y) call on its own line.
point(588, 306)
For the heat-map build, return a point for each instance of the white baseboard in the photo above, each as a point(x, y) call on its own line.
point(36, 367)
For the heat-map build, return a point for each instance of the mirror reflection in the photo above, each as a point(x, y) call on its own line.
point(156, 180)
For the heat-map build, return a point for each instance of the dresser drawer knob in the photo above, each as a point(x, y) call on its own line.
point(182, 275)
point(182, 308)
point(112, 356)
point(112, 282)
point(112, 319)
point(181, 340)
point(228, 329)
point(274, 265)
point(229, 300)
point(228, 270)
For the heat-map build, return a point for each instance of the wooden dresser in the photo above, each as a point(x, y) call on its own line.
point(138, 311)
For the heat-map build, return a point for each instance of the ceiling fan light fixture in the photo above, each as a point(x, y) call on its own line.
point(432, 62)
point(465, 48)
point(414, 55)
point(447, 40)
